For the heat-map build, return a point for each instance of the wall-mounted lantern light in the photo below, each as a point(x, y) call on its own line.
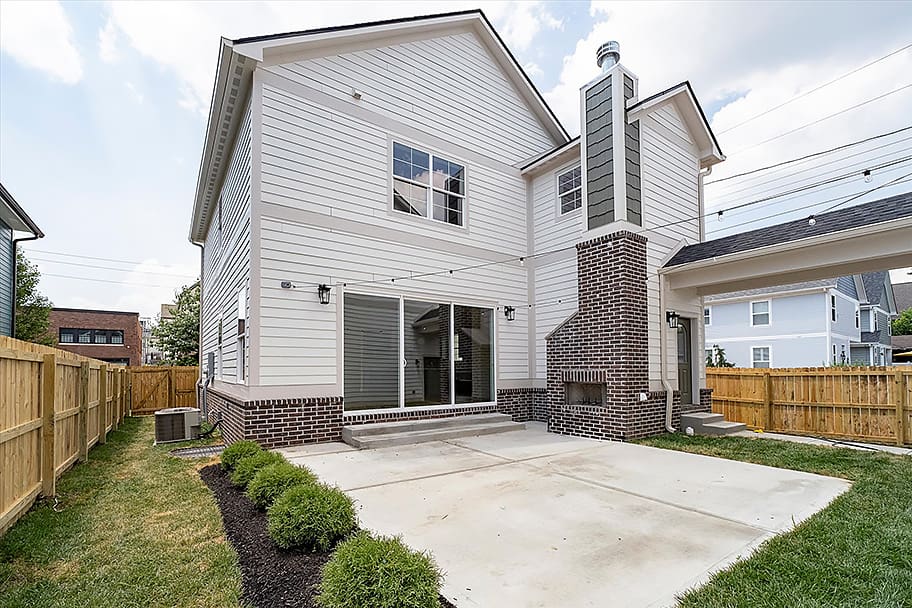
point(510, 313)
point(672, 318)
point(323, 292)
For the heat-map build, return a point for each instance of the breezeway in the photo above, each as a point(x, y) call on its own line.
point(531, 518)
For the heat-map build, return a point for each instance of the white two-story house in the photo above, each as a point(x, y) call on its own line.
point(394, 225)
point(843, 321)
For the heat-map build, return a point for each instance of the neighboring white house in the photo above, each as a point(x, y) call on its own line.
point(390, 216)
point(827, 322)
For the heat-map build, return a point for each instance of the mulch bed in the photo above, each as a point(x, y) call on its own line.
point(271, 577)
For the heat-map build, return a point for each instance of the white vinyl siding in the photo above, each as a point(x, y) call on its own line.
point(556, 291)
point(450, 86)
point(226, 259)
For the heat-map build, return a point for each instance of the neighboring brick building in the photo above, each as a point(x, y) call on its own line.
point(109, 335)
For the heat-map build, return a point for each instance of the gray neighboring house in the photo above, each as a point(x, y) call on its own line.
point(15, 226)
point(824, 322)
point(902, 296)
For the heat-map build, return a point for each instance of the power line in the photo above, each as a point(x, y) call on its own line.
point(65, 276)
point(890, 183)
point(814, 90)
point(856, 170)
point(809, 156)
point(819, 120)
point(86, 257)
point(164, 274)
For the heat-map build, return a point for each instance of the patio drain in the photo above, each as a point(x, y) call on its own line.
point(200, 452)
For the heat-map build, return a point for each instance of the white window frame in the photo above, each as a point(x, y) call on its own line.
point(707, 316)
point(560, 207)
point(241, 353)
point(857, 318)
point(834, 309)
point(220, 351)
point(430, 298)
point(429, 187)
point(768, 313)
point(769, 356)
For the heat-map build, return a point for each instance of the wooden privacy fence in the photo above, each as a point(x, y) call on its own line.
point(155, 388)
point(861, 403)
point(54, 406)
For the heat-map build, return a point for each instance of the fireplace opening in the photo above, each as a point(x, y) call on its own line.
point(584, 393)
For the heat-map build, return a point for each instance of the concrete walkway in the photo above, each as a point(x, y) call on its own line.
point(530, 518)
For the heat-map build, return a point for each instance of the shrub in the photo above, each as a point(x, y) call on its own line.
point(311, 516)
point(272, 480)
point(248, 467)
point(238, 450)
point(379, 572)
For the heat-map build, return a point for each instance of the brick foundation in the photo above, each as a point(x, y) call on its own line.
point(524, 404)
point(368, 417)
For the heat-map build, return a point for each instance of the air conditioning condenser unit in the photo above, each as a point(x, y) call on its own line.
point(177, 424)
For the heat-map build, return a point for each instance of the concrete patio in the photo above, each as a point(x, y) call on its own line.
point(531, 518)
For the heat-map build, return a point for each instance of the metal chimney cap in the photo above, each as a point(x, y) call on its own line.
point(608, 54)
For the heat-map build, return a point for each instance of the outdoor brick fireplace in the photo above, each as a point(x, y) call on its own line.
point(585, 387)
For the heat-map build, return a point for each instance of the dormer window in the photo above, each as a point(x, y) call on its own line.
point(569, 190)
point(428, 185)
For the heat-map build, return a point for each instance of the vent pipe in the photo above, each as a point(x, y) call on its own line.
point(608, 55)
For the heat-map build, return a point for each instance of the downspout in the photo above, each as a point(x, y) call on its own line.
point(16, 242)
point(201, 385)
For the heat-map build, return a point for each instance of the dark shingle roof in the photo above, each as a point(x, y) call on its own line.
point(902, 294)
point(874, 285)
point(882, 210)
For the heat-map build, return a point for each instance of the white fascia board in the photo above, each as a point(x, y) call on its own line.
point(554, 158)
point(896, 224)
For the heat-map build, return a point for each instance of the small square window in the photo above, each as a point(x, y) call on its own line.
point(760, 313)
point(760, 356)
point(101, 336)
point(116, 337)
point(67, 336)
point(85, 336)
point(707, 316)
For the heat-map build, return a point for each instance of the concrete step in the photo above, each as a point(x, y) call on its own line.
point(435, 434)
point(723, 428)
point(698, 419)
point(402, 426)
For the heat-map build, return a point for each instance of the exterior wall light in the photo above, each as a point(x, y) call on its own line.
point(510, 313)
point(323, 291)
point(672, 318)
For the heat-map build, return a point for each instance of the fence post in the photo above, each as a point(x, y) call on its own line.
point(171, 387)
point(899, 386)
point(48, 390)
point(129, 408)
point(768, 399)
point(102, 404)
point(115, 401)
point(84, 411)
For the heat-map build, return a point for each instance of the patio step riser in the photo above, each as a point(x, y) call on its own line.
point(414, 437)
point(383, 428)
point(705, 423)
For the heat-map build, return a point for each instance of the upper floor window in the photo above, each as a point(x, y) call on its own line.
point(428, 185)
point(707, 315)
point(569, 190)
point(833, 308)
point(760, 313)
point(91, 336)
point(857, 319)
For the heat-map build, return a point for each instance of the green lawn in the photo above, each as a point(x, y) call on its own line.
point(133, 527)
point(855, 553)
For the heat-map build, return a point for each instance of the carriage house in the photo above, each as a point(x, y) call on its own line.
point(395, 226)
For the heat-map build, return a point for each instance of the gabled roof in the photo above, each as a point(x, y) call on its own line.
point(238, 58)
point(875, 212)
point(879, 290)
point(15, 216)
point(684, 99)
point(902, 294)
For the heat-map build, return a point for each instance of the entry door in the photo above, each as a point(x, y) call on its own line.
point(685, 366)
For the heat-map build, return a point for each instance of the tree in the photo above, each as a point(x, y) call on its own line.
point(716, 358)
point(33, 309)
point(178, 337)
point(902, 325)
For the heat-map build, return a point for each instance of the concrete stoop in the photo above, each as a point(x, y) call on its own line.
point(408, 432)
point(706, 423)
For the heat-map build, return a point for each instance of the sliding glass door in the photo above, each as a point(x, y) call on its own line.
point(402, 352)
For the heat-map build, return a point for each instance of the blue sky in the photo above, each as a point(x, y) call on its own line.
point(102, 107)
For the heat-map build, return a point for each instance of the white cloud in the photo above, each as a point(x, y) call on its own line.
point(183, 37)
point(39, 35)
point(137, 95)
point(107, 42)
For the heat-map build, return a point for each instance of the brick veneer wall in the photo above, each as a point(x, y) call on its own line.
point(523, 404)
point(606, 339)
point(75, 318)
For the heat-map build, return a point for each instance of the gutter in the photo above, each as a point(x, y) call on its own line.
point(16, 242)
